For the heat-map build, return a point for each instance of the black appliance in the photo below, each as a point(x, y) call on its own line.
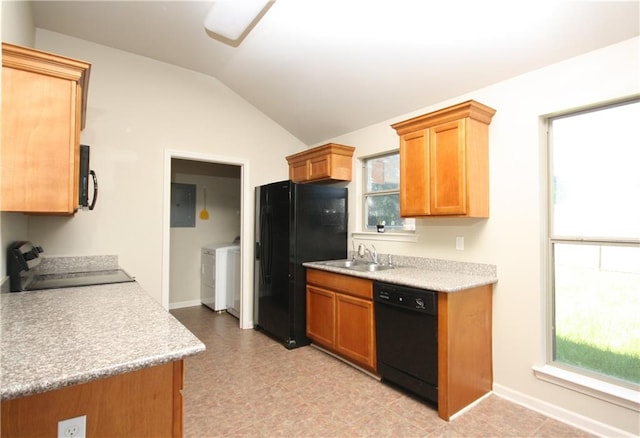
point(407, 338)
point(295, 223)
point(85, 173)
point(23, 256)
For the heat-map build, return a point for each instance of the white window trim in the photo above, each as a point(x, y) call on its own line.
point(407, 236)
point(364, 233)
point(580, 382)
point(609, 392)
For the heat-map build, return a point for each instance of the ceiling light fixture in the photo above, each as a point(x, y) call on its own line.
point(231, 21)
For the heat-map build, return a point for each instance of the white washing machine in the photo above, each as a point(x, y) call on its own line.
point(217, 276)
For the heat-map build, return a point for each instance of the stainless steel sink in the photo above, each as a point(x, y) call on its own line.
point(343, 263)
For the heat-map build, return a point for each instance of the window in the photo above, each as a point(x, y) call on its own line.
point(594, 242)
point(382, 194)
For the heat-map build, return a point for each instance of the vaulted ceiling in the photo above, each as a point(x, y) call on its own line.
point(321, 68)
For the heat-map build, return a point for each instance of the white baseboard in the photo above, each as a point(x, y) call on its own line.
point(558, 413)
point(181, 304)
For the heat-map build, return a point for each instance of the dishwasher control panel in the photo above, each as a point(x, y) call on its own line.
point(420, 300)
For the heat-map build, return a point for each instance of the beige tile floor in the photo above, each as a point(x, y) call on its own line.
point(247, 385)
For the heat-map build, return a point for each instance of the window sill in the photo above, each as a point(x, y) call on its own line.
point(390, 237)
point(609, 392)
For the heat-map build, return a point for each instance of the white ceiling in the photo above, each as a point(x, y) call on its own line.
point(321, 68)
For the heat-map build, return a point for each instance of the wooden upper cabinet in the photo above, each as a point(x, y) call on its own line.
point(444, 162)
point(330, 162)
point(43, 110)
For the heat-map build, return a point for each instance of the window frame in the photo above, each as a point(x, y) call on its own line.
point(604, 387)
point(366, 194)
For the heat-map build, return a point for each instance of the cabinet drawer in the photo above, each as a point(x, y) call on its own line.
point(358, 287)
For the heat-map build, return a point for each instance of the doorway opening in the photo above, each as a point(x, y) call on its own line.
point(223, 180)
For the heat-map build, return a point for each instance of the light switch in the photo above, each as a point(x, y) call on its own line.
point(460, 243)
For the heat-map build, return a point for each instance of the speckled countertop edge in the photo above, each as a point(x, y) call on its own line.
point(60, 337)
point(424, 273)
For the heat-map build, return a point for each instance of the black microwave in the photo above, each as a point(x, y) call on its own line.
point(85, 174)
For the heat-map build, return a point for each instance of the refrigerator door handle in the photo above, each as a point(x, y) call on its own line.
point(267, 248)
point(264, 247)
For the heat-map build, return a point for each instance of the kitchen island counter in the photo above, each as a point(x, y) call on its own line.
point(55, 338)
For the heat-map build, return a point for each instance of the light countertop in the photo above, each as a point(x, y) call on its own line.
point(433, 274)
point(61, 337)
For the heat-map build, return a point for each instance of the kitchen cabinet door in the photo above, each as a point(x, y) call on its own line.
point(447, 176)
point(321, 316)
point(355, 330)
point(43, 104)
point(414, 174)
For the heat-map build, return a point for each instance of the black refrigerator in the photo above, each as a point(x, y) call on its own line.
point(295, 223)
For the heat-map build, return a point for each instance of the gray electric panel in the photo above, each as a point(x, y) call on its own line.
point(183, 205)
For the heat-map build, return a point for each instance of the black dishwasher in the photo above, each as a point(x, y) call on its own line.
point(407, 338)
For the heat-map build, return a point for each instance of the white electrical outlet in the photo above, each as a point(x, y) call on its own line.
point(460, 243)
point(75, 427)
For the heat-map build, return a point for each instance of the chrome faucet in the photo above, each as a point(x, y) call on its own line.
point(362, 250)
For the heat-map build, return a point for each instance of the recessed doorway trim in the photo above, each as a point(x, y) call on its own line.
point(246, 302)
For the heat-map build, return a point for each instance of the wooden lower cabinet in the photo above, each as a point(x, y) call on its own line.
point(143, 403)
point(465, 364)
point(341, 319)
point(340, 316)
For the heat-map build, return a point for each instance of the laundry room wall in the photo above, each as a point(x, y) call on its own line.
point(223, 204)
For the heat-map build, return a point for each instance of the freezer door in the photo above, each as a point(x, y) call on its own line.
point(319, 223)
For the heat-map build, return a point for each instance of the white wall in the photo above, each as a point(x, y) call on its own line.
point(17, 23)
point(513, 237)
point(137, 108)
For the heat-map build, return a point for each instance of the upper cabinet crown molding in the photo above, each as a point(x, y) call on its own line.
point(50, 64)
point(471, 109)
point(444, 162)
